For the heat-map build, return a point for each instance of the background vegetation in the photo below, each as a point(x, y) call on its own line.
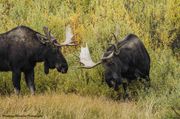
point(156, 22)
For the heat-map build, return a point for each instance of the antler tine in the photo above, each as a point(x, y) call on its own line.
point(46, 32)
point(86, 60)
point(117, 30)
point(69, 37)
point(53, 39)
point(90, 67)
point(73, 43)
point(109, 56)
point(115, 37)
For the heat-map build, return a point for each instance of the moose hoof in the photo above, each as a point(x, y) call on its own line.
point(16, 91)
point(126, 97)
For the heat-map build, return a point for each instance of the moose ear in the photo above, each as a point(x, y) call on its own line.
point(46, 68)
point(42, 38)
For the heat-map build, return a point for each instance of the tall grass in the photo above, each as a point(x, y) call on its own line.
point(76, 107)
point(155, 22)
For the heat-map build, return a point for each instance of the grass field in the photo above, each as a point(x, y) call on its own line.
point(70, 106)
point(82, 94)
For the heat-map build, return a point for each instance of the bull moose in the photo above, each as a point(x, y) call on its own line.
point(124, 61)
point(22, 47)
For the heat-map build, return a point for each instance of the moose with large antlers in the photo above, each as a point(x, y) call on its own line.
point(124, 61)
point(21, 48)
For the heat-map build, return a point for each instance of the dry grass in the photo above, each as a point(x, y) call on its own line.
point(75, 107)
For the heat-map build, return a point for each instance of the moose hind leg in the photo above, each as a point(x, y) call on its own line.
point(16, 78)
point(29, 78)
point(148, 82)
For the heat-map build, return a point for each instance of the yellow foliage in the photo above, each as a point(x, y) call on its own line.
point(155, 22)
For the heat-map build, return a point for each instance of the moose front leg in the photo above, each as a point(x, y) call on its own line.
point(126, 95)
point(117, 81)
point(148, 82)
point(109, 79)
point(16, 77)
point(29, 78)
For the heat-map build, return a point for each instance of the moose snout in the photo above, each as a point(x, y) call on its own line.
point(62, 68)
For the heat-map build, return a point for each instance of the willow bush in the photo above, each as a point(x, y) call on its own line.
point(155, 22)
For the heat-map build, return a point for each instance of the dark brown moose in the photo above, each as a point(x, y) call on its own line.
point(123, 61)
point(21, 48)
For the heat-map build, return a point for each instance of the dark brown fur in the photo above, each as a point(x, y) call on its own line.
point(21, 48)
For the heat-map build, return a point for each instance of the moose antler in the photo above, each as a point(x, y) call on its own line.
point(85, 58)
point(69, 37)
point(68, 41)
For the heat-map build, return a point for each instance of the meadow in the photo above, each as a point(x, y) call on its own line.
point(81, 93)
